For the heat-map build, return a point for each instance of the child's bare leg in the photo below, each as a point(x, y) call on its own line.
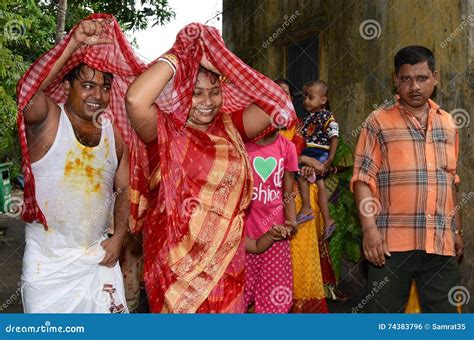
point(323, 203)
point(303, 186)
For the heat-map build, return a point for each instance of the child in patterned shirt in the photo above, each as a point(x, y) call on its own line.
point(321, 133)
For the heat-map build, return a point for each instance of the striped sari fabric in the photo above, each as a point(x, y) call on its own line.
point(193, 230)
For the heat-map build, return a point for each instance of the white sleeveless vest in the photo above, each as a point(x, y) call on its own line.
point(74, 189)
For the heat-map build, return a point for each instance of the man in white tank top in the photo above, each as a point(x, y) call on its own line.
point(80, 166)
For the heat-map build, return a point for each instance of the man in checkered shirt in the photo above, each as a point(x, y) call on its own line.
point(405, 187)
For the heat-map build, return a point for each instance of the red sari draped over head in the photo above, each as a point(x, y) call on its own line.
point(193, 231)
point(117, 58)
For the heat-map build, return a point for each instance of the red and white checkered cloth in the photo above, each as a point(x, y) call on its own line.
point(117, 58)
point(244, 86)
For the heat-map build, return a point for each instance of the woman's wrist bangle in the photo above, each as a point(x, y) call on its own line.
point(171, 60)
point(294, 224)
point(459, 232)
point(169, 64)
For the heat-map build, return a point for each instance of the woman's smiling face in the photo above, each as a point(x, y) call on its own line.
point(206, 101)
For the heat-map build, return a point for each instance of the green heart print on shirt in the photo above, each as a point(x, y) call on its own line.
point(264, 167)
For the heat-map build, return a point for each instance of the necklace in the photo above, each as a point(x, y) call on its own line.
point(423, 118)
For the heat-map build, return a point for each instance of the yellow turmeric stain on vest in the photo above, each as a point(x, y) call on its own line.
point(80, 163)
point(96, 187)
point(107, 147)
point(87, 153)
point(68, 168)
point(89, 172)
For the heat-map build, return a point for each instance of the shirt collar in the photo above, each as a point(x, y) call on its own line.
point(433, 106)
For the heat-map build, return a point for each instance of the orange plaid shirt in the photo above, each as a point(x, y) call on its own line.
point(412, 175)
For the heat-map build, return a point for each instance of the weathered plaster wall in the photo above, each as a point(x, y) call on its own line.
point(358, 66)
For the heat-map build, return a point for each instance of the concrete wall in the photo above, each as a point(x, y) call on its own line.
point(358, 64)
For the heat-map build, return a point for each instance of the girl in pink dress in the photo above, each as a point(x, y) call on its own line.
point(268, 275)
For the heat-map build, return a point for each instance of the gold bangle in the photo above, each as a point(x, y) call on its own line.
point(459, 232)
point(171, 57)
point(171, 60)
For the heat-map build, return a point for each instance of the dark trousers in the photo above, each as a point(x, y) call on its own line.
point(389, 286)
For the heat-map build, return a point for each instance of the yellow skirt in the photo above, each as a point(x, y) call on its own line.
point(308, 292)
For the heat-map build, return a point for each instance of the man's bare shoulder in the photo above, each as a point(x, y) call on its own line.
point(50, 120)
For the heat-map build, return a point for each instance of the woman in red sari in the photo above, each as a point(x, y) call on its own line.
point(193, 228)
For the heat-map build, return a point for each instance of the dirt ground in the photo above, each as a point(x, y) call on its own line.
point(12, 245)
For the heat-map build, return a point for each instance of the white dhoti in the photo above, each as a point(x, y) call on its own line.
point(74, 189)
point(69, 280)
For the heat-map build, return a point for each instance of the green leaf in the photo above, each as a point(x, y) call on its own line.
point(352, 250)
